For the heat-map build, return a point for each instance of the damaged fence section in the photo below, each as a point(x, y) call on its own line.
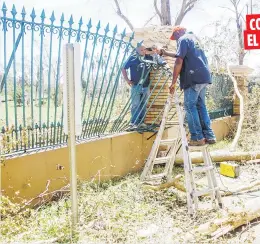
point(31, 79)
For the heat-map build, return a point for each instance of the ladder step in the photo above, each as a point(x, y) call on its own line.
point(202, 169)
point(162, 160)
point(198, 148)
point(157, 176)
point(172, 122)
point(205, 192)
point(168, 142)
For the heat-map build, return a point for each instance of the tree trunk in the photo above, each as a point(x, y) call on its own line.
point(221, 156)
point(241, 52)
point(165, 12)
point(241, 57)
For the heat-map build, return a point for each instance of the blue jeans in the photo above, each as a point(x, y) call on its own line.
point(196, 113)
point(139, 97)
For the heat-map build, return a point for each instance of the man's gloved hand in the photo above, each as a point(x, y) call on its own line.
point(161, 51)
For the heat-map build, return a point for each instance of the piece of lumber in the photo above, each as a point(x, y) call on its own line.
point(221, 156)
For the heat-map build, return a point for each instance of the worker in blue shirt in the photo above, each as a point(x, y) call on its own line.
point(192, 66)
point(139, 82)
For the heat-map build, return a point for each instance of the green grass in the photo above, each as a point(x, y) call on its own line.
point(119, 211)
point(118, 107)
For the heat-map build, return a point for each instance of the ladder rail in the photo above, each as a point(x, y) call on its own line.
point(209, 176)
point(173, 153)
point(155, 147)
point(189, 178)
point(192, 193)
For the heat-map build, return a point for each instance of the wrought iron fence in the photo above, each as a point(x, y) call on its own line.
point(31, 76)
point(31, 79)
point(220, 96)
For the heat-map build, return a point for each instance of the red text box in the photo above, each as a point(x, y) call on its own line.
point(253, 22)
point(251, 40)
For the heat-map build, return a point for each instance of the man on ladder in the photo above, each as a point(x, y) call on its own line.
point(192, 66)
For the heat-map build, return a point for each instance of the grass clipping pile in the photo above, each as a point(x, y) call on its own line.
point(122, 211)
point(113, 212)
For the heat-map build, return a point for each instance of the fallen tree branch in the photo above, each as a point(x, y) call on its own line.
point(221, 156)
point(43, 196)
point(180, 186)
point(175, 183)
point(234, 219)
point(243, 189)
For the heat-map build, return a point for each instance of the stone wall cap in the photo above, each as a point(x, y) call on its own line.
point(240, 69)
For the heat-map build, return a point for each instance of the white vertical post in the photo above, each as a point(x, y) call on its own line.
point(72, 115)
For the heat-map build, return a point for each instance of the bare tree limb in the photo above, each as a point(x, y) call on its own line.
point(241, 53)
point(149, 20)
point(240, 14)
point(227, 8)
point(191, 3)
point(188, 9)
point(187, 5)
point(121, 15)
point(157, 10)
point(180, 15)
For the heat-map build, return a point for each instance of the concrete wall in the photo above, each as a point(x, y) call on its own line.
point(26, 176)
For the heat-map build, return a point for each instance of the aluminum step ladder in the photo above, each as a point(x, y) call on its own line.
point(168, 161)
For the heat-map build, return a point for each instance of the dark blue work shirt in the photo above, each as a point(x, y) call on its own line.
point(195, 68)
point(137, 71)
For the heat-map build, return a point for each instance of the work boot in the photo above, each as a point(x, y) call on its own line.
point(211, 141)
point(143, 125)
point(131, 127)
point(197, 143)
